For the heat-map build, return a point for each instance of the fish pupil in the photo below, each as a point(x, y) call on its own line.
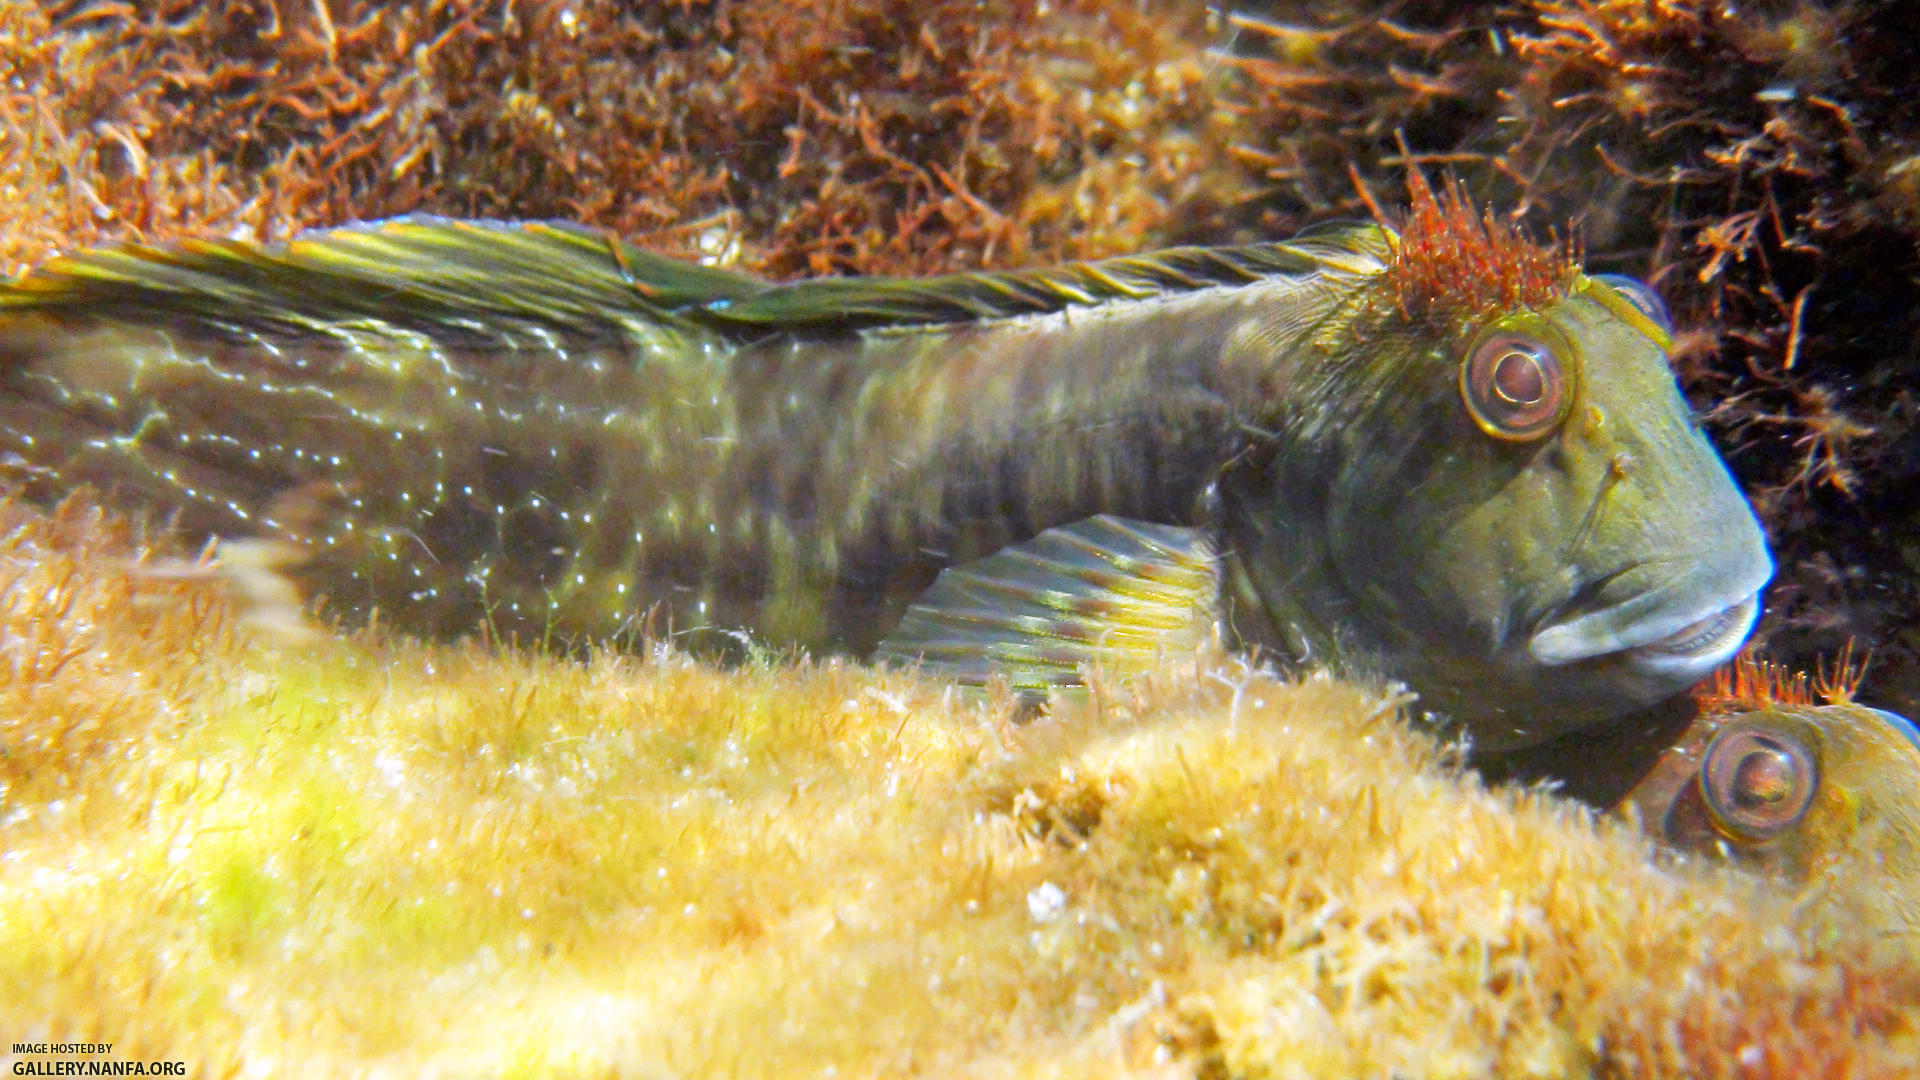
point(1764, 778)
point(1518, 380)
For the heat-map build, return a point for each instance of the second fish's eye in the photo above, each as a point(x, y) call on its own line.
point(1641, 296)
point(1758, 783)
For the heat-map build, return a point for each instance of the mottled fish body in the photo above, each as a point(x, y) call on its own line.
point(798, 462)
point(1326, 445)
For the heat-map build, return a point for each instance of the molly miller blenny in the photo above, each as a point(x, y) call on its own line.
point(1442, 453)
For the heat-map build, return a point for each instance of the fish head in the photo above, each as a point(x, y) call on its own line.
point(1533, 527)
point(1824, 796)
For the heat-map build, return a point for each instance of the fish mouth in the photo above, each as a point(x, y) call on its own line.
point(1721, 632)
point(1695, 638)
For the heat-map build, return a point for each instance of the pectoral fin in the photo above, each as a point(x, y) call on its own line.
point(1104, 591)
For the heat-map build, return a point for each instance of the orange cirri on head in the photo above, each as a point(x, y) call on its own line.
point(1750, 684)
point(1453, 265)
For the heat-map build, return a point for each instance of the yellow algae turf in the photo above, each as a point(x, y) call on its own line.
point(362, 855)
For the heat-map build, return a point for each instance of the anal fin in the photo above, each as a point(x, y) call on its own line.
point(1105, 591)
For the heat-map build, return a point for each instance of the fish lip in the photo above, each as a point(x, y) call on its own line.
point(1700, 635)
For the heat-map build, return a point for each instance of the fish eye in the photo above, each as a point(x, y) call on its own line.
point(1514, 387)
point(1758, 783)
point(1641, 296)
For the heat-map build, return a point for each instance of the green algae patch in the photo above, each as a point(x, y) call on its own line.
point(348, 855)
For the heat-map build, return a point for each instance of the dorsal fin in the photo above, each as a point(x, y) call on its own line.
point(445, 275)
point(842, 303)
point(418, 272)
